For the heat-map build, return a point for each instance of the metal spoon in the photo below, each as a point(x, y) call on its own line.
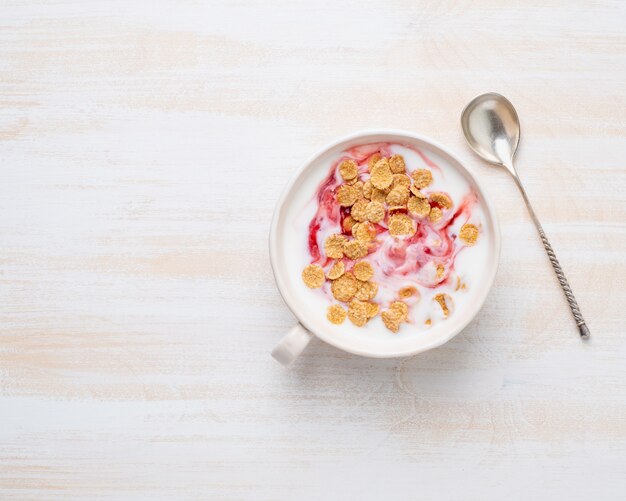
point(492, 129)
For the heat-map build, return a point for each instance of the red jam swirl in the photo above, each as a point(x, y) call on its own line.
point(395, 257)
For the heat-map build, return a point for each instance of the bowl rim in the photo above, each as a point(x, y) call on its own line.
point(355, 136)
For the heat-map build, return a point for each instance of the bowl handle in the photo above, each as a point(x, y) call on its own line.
point(292, 345)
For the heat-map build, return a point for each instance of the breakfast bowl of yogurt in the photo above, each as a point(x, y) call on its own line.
point(383, 244)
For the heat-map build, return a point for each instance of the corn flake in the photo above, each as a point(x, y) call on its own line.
point(445, 301)
point(442, 200)
point(372, 160)
point(334, 246)
point(469, 234)
point(348, 223)
point(375, 212)
point(440, 271)
point(418, 206)
point(401, 180)
point(336, 314)
point(364, 232)
point(355, 249)
point(401, 224)
point(358, 210)
point(396, 164)
point(372, 309)
point(416, 191)
point(344, 288)
point(336, 271)
point(435, 214)
point(367, 189)
point(407, 292)
point(391, 319)
point(348, 169)
point(357, 312)
point(398, 197)
point(347, 195)
point(363, 271)
point(313, 276)
point(422, 177)
point(358, 185)
point(366, 291)
point(401, 308)
point(381, 174)
point(378, 195)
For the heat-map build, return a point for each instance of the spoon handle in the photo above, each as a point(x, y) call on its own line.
point(569, 295)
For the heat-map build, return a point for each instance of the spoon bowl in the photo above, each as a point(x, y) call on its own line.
point(491, 127)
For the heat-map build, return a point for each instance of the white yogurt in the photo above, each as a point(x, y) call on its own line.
point(468, 265)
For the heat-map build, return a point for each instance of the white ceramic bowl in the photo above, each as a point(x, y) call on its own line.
point(289, 284)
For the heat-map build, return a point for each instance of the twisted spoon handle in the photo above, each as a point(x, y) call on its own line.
point(569, 295)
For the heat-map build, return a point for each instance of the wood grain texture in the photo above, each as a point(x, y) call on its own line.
point(142, 149)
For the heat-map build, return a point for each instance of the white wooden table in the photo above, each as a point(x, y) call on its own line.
point(142, 148)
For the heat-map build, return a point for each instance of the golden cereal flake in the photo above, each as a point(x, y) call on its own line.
point(407, 291)
point(367, 189)
point(366, 291)
point(401, 308)
point(357, 312)
point(396, 164)
point(435, 214)
point(373, 160)
point(391, 319)
point(378, 195)
point(428, 322)
point(422, 177)
point(334, 246)
point(401, 180)
point(401, 224)
point(416, 191)
point(364, 232)
point(442, 200)
point(418, 206)
point(440, 270)
point(469, 234)
point(358, 185)
point(355, 249)
point(336, 314)
point(358, 210)
point(381, 174)
point(375, 212)
point(347, 195)
point(336, 271)
point(372, 310)
point(313, 276)
point(344, 288)
point(445, 301)
point(348, 169)
point(398, 197)
point(363, 271)
point(348, 223)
